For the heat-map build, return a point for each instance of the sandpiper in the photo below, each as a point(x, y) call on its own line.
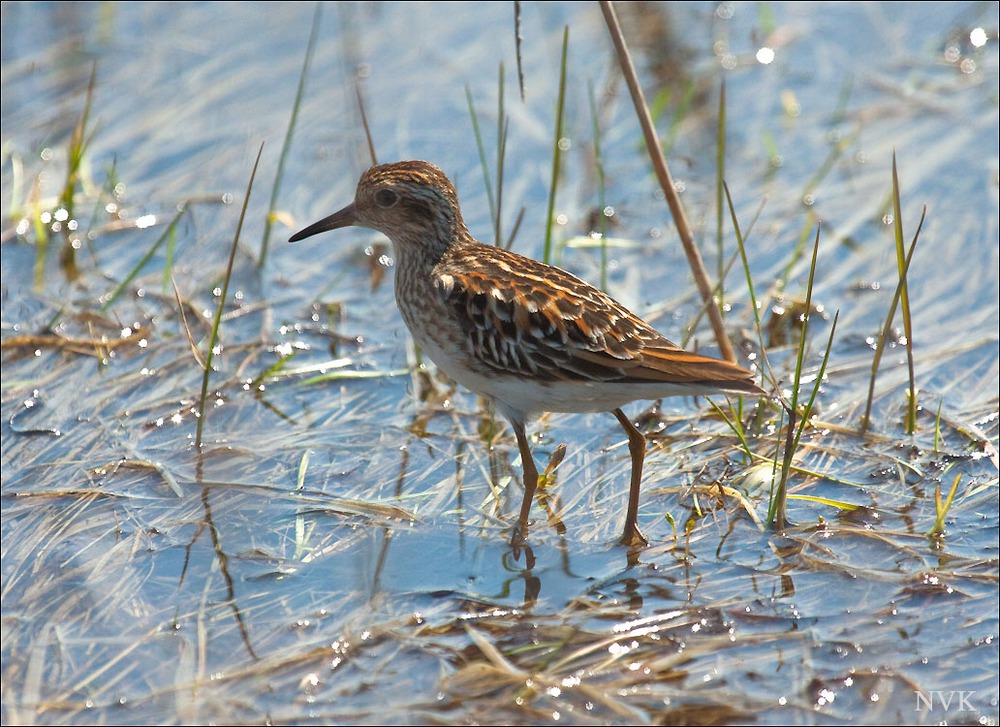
point(530, 336)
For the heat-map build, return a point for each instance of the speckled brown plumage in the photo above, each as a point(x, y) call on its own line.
point(531, 336)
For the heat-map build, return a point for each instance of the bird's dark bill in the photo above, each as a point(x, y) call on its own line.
point(343, 218)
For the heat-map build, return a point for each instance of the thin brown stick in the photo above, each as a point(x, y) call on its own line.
point(364, 122)
point(666, 181)
point(517, 45)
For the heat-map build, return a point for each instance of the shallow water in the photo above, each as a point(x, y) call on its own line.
point(337, 553)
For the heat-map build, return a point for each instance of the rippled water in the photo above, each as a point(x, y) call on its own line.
point(338, 553)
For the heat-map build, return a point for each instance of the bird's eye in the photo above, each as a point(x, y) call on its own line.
point(386, 198)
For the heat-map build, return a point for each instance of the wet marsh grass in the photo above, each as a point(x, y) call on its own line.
point(495, 201)
point(208, 356)
point(279, 173)
point(279, 499)
point(665, 179)
point(899, 298)
point(557, 146)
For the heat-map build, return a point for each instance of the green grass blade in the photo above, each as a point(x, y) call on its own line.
point(482, 157)
point(937, 427)
point(681, 110)
point(167, 235)
point(556, 149)
point(777, 510)
point(41, 247)
point(839, 504)
point(839, 147)
point(503, 125)
point(797, 251)
point(76, 153)
point(289, 133)
point(941, 508)
point(214, 335)
point(883, 336)
point(514, 230)
point(754, 302)
point(735, 422)
point(720, 176)
point(904, 296)
point(602, 219)
point(77, 150)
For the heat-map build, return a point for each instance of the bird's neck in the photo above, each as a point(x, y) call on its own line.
point(418, 253)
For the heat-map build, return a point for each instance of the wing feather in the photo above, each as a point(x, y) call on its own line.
point(520, 315)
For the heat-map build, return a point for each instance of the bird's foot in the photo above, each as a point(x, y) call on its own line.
point(519, 542)
point(518, 535)
point(519, 539)
point(633, 538)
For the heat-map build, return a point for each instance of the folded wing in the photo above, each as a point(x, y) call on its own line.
point(520, 315)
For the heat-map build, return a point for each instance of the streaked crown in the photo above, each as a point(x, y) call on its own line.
point(411, 203)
